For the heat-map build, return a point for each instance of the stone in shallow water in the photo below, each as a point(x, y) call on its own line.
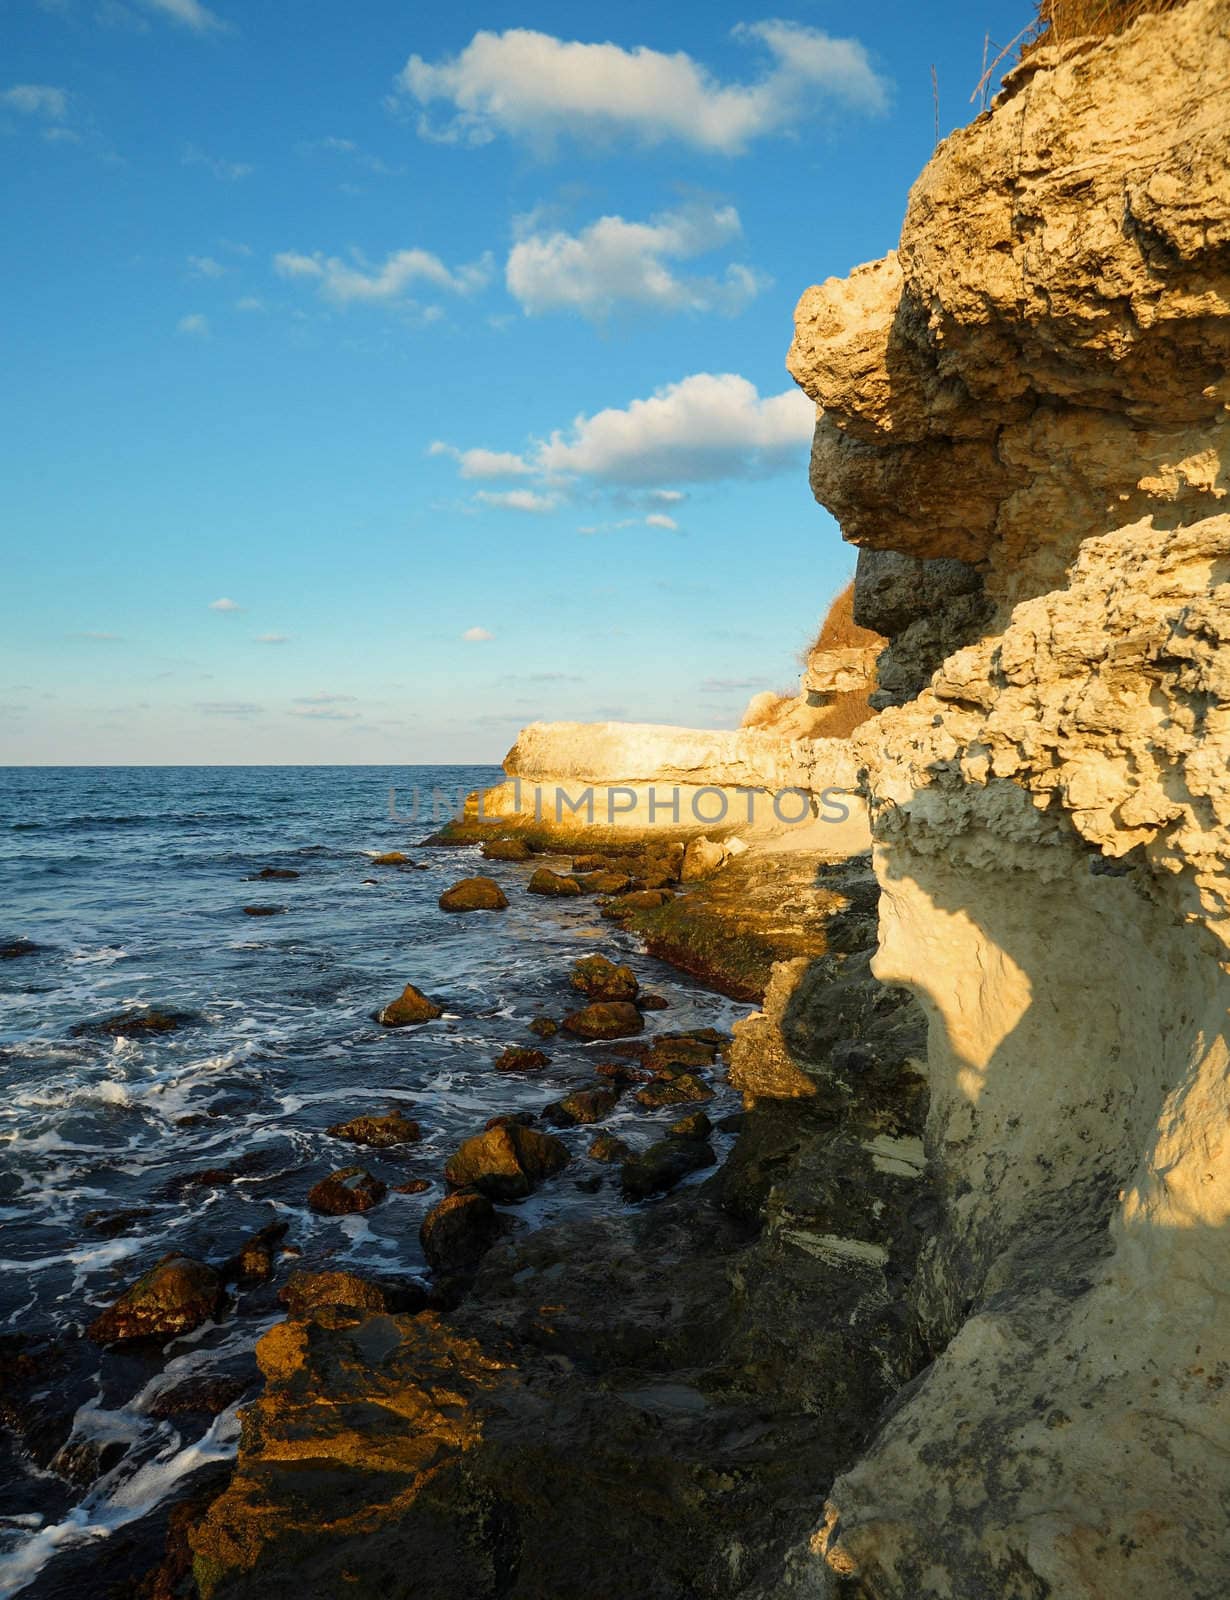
point(392, 858)
point(600, 979)
point(521, 1058)
point(346, 1191)
point(676, 1091)
point(278, 873)
point(506, 1163)
point(582, 1106)
point(18, 947)
point(263, 911)
point(458, 1231)
point(506, 850)
point(410, 1007)
point(378, 1132)
point(547, 882)
point(695, 1125)
point(606, 1147)
point(140, 1020)
point(175, 1296)
point(544, 1027)
point(474, 894)
point(305, 1291)
point(664, 1165)
point(607, 1019)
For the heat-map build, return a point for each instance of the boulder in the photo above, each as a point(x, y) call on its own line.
point(601, 979)
point(474, 894)
point(458, 1231)
point(254, 1261)
point(506, 1163)
point(702, 858)
point(272, 873)
point(652, 1002)
point(680, 1050)
point(410, 1007)
point(582, 1106)
point(412, 1186)
point(134, 1023)
point(378, 1132)
point(638, 900)
point(591, 863)
point(694, 1126)
point(511, 1119)
point(621, 1073)
point(521, 1058)
point(305, 1291)
point(506, 850)
point(345, 1191)
point(175, 1296)
point(664, 1165)
point(674, 1091)
point(605, 883)
point(547, 882)
point(606, 1147)
point(606, 1019)
point(17, 947)
point(544, 1027)
point(392, 858)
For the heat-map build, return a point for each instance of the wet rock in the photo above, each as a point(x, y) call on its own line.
point(348, 1190)
point(590, 1184)
point(112, 1223)
point(458, 1231)
point(506, 1163)
point(506, 850)
point(412, 1006)
point(263, 911)
point(675, 1091)
point(702, 858)
point(412, 1186)
point(605, 883)
point(544, 881)
point(652, 1002)
point(625, 905)
point(621, 1072)
point(474, 894)
point(511, 1119)
point(207, 1394)
point(601, 979)
point(544, 1027)
point(18, 947)
point(607, 1019)
point(305, 1291)
point(695, 1125)
point(270, 873)
point(606, 1147)
point(392, 858)
point(255, 1260)
point(175, 1296)
point(591, 863)
point(664, 1165)
point(379, 1133)
point(678, 1050)
point(135, 1023)
point(521, 1058)
point(582, 1106)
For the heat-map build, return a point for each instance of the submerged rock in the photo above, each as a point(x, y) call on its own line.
point(582, 1106)
point(506, 1163)
point(458, 1231)
point(607, 1019)
point(474, 894)
point(547, 882)
point(506, 850)
point(544, 1027)
point(673, 1091)
point(345, 1191)
point(652, 1002)
point(378, 1132)
point(664, 1165)
point(268, 873)
point(412, 1186)
point(521, 1058)
point(254, 1261)
point(392, 858)
point(601, 979)
point(263, 911)
point(18, 947)
point(175, 1296)
point(134, 1023)
point(606, 1147)
point(695, 1125)
point(410, 1007)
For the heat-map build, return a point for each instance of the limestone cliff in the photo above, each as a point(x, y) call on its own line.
point(1035, 385)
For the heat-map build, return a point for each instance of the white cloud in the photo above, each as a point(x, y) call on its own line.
point(534, 86)
point(250, 302)
point(225, 605)
point(205, 267)
point(657, 520)
point(188, 12)
point(343, 281)
point(477, 635)
point(228, 171)
point(615, 262)
point(707, 427)
point(272, 638)
point(324, 699)
point(518, 500)
point(667, 497)
point(196, 324)
point(481, 463)
point(36, 100)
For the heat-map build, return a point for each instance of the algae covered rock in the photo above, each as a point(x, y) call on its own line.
point(600, 979)
point(411, 1006)
point(474, 894)
point(582, 1106)
point(606, 1019)
point(175, 1296)
point(606, 1147)
point(379, 1133)
point(681, 1089)
point(506, 850)
point(521, 1058)
point(547, 882)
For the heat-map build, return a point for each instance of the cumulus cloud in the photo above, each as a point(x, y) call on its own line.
point(225, 605)
point(533, 86)
point(189, 13)
point(36, 100)
point(481, 463)
point(344, 281)
point(195, 325)
point(205, 267)
point(518, 500)
point(615, 262)
point(706, 427)
point(477, 635)
point(657, 520)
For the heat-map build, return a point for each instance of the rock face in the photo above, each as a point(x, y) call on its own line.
point(1035, 385)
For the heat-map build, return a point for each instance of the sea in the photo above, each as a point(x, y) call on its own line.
point(131, 882)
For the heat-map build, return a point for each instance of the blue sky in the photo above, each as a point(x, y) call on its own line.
point(380, 378)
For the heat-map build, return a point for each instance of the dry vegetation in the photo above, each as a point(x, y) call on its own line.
point(1061, 20)
point(838, 631)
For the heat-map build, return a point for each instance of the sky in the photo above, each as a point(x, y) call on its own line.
point(380, 378)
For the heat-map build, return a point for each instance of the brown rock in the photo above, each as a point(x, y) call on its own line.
point(175, 1296)
point(621, 1073)
point(638, 900)
point(652, 1002)
point(680, 1051)
point(582, 1106)
point(545, 881)
point(607, 1019)
point(412, 1186)
point(673, 1091)
point(544, 1027)
point(18, 947)
point(412, 1006)
point(506, 1163)
point(267, 873)
point(664, 1165)
point(511, 1119)
point(254, 1261)
point(263, 911)
point(129, 1024)
point(305, 1291)
point(605, 883)
point(378, 1132)
point(458, 1231)
point(521, 1058)
point(474, 894)
point(591, 863)
point(506, 850)
point(345, 1191)
point(391, 858)
point(601, 979)
point(606, 1147)
point(694, 1126)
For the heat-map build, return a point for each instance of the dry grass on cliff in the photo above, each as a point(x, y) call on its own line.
point(839, 631)
point(1061, 20)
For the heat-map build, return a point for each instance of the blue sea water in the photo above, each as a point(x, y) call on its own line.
point(131, 882)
